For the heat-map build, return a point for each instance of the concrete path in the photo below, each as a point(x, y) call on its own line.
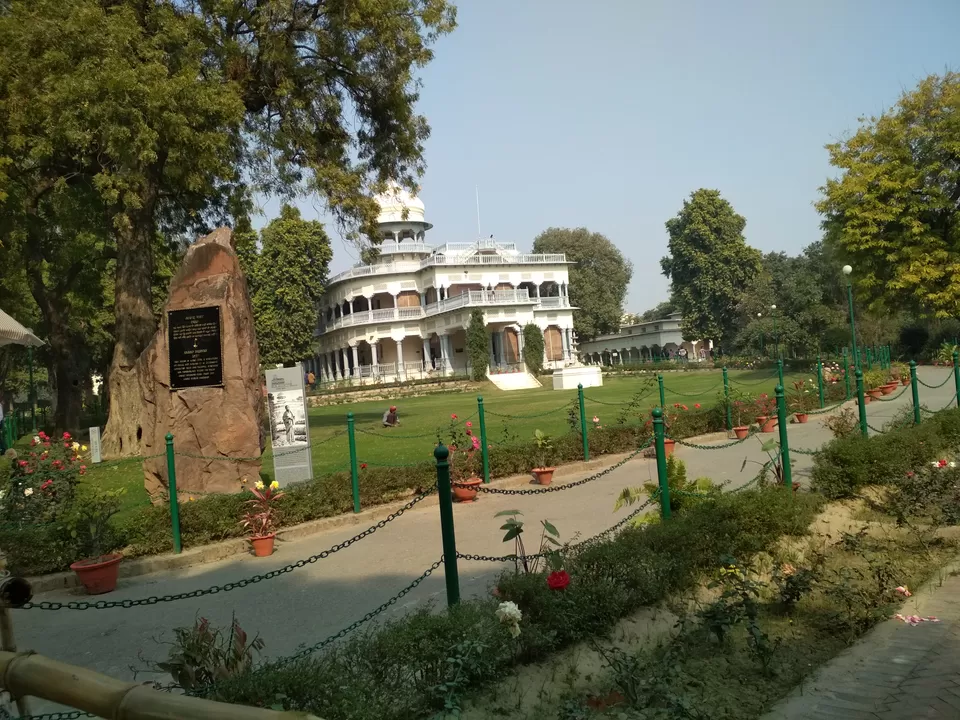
point(896, 672)
point(313, 602)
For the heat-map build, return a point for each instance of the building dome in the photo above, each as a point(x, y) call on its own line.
point(394, 201)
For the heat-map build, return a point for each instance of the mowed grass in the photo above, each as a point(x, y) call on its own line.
point(510, 416)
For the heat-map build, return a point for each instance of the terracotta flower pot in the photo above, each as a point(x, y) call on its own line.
point(761, 419)
point(888, 388)
point(669, 446)
point(905, 381)
point(544, 475)
point(875, 393)
point(802, 418)
point(263, 545)
point(466, 490)
point(98, 575)
point(769, 425)
point(866, 399)
point(741, 431)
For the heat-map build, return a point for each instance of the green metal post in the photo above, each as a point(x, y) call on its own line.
point(780, 370)
point(820, 379)
point(861, 405)
point(661, 463)
point(354, 469)
point(33, 393)
point(663, 402)
point(846, 374)
point(784, 445)
point(956, 375)
point(484, 450)
point(445, 496)
point(583, 423)
point(869, 358)
point(172, 492)
point(726, 397)
point(915, 391)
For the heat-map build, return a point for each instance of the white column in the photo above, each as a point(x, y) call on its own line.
point(399, 356)
point(326, 367)
point(520, 345)
point(426, 354)
point(444, 358)
point(536, 290)
point(373, 353)
point(503, 346)
point(356, 360)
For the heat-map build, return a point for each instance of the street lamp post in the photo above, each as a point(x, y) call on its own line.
point(776, 336)
point(847, 270)
point(760, 315)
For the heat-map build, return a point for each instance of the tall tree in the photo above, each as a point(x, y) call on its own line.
point(708, 265)
point(598, 280)
point(533, 346)
point(165, 106)
point(478, 345)
point(660, 311)
point(288, 278)
point(894, 213)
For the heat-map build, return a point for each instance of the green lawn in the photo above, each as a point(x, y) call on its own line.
point(509, 415)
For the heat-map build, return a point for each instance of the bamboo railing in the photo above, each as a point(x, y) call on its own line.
point(24, 674)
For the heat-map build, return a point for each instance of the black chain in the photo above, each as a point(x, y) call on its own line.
point(567, 486)
point(153, 600)
point(69, 715)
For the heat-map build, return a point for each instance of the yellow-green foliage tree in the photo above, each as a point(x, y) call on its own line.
point(894, 212)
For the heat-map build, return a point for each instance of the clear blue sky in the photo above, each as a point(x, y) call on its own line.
point(607, 114)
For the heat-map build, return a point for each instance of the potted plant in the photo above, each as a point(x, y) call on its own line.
point(543, 471)
point(88, 522)
point(259, 517)
point(738, 406)
point(766, 413)
point(873, 382)
point(462, 444)
point(801, 401)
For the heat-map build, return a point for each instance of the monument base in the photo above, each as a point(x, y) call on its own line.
point(569, 377)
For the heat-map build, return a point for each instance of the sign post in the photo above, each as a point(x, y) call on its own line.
point(289, 425)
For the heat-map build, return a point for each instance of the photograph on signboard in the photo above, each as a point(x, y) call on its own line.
point(288, 423)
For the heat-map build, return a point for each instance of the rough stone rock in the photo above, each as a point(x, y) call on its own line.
point(223, 424)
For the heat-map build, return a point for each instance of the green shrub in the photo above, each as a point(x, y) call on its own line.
point(533, 347)
point(418, 664)
point(847, 464)
point(478, 345)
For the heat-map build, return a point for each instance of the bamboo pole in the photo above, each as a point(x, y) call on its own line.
point(14, 592)
point(29, 674)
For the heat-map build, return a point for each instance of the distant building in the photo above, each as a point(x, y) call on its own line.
point(644, 342)
point(405, 316)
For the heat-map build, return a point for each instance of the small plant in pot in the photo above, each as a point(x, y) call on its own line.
point(259, 518)
point(462, 444)
point(766, 412)
point(738, 407)
point(88, 522)
point(801, 400)
point(544, 471)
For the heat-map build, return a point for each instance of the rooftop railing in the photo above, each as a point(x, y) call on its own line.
point(439, 259)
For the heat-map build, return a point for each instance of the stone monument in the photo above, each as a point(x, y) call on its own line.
point(200, 377)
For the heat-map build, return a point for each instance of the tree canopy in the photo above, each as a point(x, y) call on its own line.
point(169, 113)
point(598, 281)
point(286, 282)
point(894, 212)
point(708, 265)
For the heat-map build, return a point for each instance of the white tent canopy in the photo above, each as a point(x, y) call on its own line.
point(13, 333)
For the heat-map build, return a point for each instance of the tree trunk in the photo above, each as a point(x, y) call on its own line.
point(135, 326)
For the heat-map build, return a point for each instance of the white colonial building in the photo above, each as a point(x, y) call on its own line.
point(644, 342)
point(405, 315)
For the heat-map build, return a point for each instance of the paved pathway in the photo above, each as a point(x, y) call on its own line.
point(895, 672)
point(308, 604)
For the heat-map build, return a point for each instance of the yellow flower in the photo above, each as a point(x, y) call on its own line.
point(259, 485)
point(83, 448)
point(75, 446)
point(274, 485)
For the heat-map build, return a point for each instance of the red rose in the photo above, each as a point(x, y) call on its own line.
point(363, 466)
point(66, 436)
point(684, 407)
point(558, 580)
point(453, 416)
point(697, 406)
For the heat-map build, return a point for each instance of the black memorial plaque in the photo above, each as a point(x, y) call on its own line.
point(196, 355)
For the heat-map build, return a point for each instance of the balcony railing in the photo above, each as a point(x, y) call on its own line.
point(547, 303)
point(472, 298)
point(446, 259)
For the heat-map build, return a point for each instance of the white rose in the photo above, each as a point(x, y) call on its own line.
point(28, 492)
point(951, 464)
point(36, 439)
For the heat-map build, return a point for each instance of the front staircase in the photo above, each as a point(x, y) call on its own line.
point(513, 380)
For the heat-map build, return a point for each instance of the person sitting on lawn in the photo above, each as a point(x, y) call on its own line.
point(390, 418)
